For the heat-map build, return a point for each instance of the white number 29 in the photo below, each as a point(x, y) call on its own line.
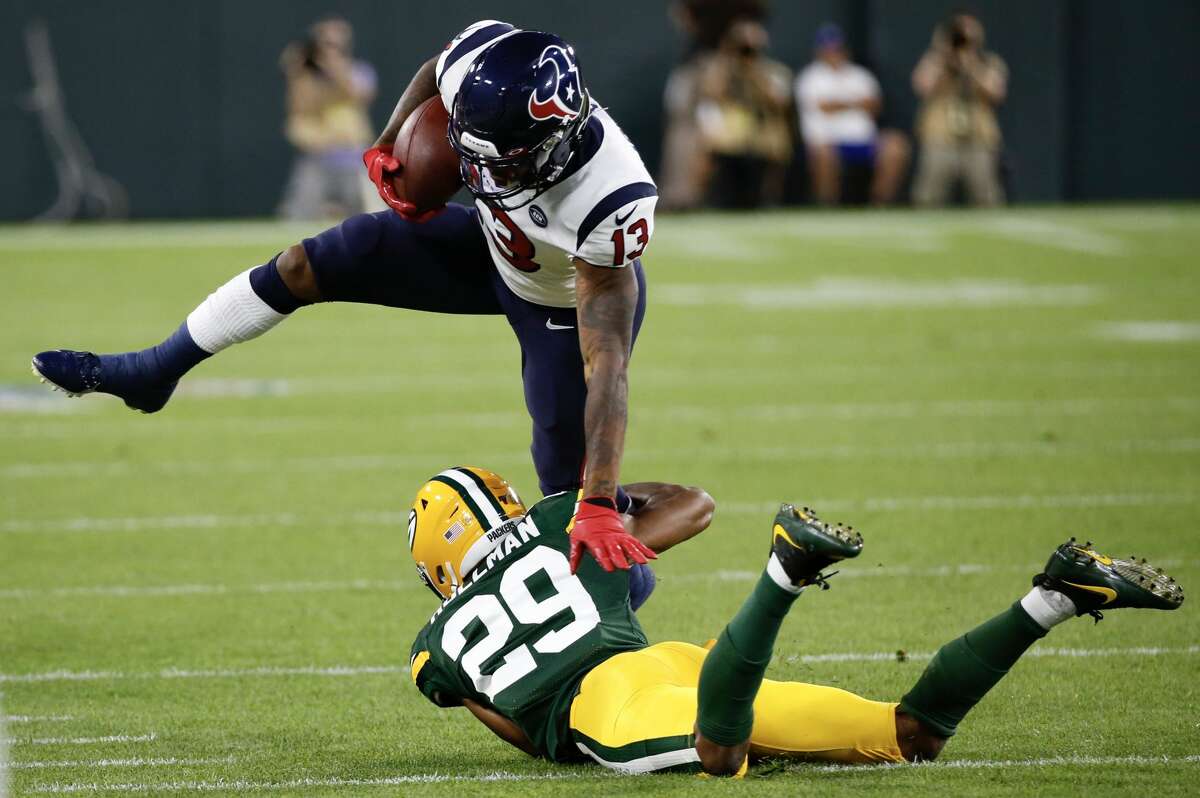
point(569, 594)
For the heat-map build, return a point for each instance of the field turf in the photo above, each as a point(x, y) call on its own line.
point(218, 598)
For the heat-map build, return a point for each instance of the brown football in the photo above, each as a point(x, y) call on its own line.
point(429, 174)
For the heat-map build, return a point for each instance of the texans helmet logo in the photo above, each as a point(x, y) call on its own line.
point(557, 95)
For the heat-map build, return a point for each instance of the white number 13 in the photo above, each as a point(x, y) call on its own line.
point(569, 594)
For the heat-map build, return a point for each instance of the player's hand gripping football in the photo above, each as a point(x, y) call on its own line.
point(597, 528)
point(382, 166)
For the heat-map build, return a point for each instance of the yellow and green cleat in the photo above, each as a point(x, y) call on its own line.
point(804, 545)
point(1096, 582)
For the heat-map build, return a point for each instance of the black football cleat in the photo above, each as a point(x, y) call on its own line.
point(1095, 582)
point(804, 545)
point(76, 373)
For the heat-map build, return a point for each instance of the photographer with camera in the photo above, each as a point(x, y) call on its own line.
point(744, 111)
point(328, 94)
point(960, 85)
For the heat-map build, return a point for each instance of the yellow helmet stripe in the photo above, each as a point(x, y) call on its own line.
point(476, 498)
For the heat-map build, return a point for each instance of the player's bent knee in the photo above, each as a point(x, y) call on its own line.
point(918, 742)
point(925, 748)
point(721, 760)
point(297, 274)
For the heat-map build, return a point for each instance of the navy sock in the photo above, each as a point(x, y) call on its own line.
point(269, 286)
point(163, 363)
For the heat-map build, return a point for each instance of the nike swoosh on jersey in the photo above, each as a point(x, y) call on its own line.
point(552, 326)
point(621, 221)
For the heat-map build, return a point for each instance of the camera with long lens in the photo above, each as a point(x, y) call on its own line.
point(959, 36)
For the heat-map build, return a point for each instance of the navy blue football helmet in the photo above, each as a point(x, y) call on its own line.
point(519, 117)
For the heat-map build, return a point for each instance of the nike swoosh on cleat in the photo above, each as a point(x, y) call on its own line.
point(1109, 594)
point(779, 531)
point(621, 221)
point(552, 326)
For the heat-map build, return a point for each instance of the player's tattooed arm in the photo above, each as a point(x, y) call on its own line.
point(501, 726)
point(666, 514)
point(420, 88)
point(606, 300)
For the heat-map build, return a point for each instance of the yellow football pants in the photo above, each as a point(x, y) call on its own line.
point(636, 712)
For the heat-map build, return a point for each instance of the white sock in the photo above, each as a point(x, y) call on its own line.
point(231, 314)
point(780, 577)
point(1048, 607)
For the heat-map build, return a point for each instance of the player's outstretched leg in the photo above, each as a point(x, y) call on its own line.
point(801, 546)
point(1077, 580)
point(244, 308)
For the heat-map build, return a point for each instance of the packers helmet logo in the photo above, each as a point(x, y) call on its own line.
point(557, 95)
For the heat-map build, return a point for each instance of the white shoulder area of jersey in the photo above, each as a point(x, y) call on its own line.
point(612, 192)
point(461, 52)
point(811, 79)
point(867, 78)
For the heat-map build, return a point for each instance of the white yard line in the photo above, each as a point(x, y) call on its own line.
point(1054, 235)
point(388, 518)
point(35, 718)
point(135, 762)
point(241, 785)
point(950, 450)
point(1149, 331)
point(988, 764)
point(957, 503)
point(942, 408)
point(853, 571)
point(373, 670)
point(160, 591)
point(112, 738)
point(3, 754)
point(193, 522)
point(857, 571)
point(982, 408)
point(19, 398)
point(839, 294)
point(571, 774)
point(203, 673)
point(320, 464)
point(1048, 651)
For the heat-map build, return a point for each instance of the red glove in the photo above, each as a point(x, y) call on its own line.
point(382, 166)
point(597, 528)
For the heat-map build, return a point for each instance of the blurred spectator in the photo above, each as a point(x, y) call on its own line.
point(686, 163)
point(328, 93)
point(745, 118)
point(839, 102)
point(960, 85)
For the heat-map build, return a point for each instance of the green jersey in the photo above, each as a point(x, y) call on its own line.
point(523, 630)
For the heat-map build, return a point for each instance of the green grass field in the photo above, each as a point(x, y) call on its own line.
point(218, 598)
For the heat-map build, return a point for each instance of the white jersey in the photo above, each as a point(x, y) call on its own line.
point(849, 83)
point(600, 210)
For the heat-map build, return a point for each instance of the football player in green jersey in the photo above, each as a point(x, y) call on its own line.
point(556, 664)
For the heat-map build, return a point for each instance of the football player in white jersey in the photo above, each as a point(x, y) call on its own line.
point(564, 210)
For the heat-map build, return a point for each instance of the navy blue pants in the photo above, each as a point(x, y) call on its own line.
point(443, 266)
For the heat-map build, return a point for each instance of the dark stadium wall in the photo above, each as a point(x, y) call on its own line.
point(183, 102)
